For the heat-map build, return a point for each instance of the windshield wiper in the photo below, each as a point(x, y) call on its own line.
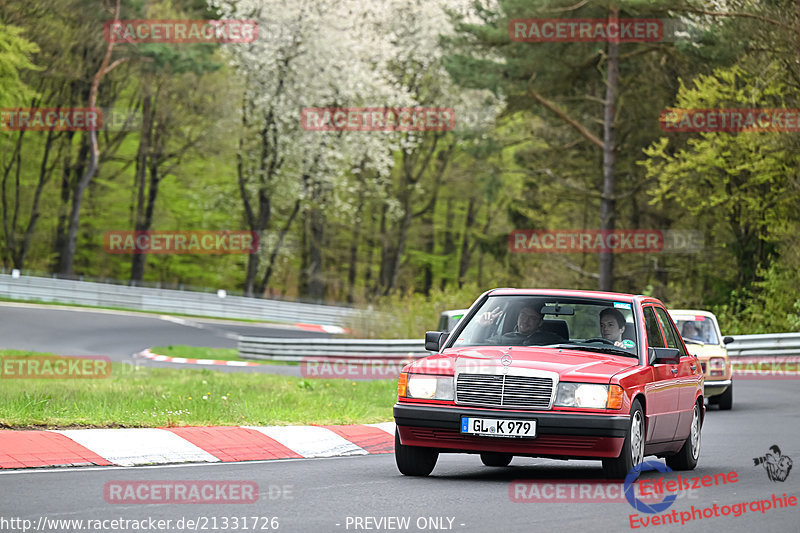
point(604, 349)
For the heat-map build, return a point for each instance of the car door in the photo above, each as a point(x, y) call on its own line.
point(688, 375)
point(661, 393)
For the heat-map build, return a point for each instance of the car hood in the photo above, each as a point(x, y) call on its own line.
point(570, 365)
point(704, 351)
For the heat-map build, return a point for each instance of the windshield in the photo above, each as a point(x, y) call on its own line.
point(605, 325)
point(697, 328)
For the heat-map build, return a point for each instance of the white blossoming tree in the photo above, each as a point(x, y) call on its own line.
point(325, 53)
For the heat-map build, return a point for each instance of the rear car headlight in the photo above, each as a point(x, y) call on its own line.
point(716, 363)
point(428, 387)
point(589, 395)
point(716, 366)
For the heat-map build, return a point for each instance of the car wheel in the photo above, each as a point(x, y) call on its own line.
point(686, 458)
point(414, 460)
point(496, 458)
point(725, 400)
point(632, 452)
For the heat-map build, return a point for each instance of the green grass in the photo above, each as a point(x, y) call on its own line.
point(220, 354)
point(158, 397)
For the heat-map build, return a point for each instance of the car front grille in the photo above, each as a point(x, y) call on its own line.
point(512, 392)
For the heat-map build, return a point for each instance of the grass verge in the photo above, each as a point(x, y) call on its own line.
point(136, 396)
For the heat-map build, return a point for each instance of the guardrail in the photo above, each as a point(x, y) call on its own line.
point(780, 345)
point(352, 350)
point(29, 288)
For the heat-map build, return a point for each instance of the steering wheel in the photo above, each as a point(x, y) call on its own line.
point(600, 339)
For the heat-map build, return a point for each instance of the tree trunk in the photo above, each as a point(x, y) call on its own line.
point(262, 287)
point(607, 207)
point(429, 243)
point(352, 269)
point(316, 280)
point(466, 250)
point(68, 255)
point(44, 177)
point(449, 240)
point(138, 260)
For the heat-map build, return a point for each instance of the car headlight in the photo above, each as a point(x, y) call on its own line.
point(428, 387)
point(590, 395)
point(716, 366)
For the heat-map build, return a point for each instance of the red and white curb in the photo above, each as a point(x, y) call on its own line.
point(322, 328)
point(146, 446)
point(167, 359)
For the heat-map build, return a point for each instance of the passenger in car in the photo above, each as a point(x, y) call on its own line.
point(690, 332)
point(612, 325)
point(528, 329)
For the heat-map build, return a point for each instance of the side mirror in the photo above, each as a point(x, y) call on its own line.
point(727, 339)
point(658, 356)
point(434, 340)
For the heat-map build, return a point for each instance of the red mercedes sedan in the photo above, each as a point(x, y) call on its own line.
point(562, 374)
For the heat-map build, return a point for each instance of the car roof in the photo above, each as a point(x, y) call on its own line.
point(571, 293)
point(691, 312)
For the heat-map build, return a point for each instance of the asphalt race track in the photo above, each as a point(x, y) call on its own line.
point(366, 493)
point(120, 335)
point(320, 494)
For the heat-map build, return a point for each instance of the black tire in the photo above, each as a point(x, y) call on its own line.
point(414, 460)
point(725, 400)
point(496, 458)
point(686, 458)
point(632, 449)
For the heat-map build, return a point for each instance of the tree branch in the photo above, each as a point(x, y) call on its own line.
point(563, 116)
point(741, 15)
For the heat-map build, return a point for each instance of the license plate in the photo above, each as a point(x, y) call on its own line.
point(495, 427)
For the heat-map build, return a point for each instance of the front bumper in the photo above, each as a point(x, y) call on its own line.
point(713, 388)
point(558, 434)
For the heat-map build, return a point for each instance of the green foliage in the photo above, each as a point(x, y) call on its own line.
point(768, 308)
point(409, 315)
point(15, 55)
point(740, 188)
point(529, 170)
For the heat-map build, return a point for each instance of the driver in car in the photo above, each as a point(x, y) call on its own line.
point(691, 332)
point(612, 325)
point(528, 329)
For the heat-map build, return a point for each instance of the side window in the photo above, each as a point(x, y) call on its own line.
point(669, 331)
point(654, 338)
